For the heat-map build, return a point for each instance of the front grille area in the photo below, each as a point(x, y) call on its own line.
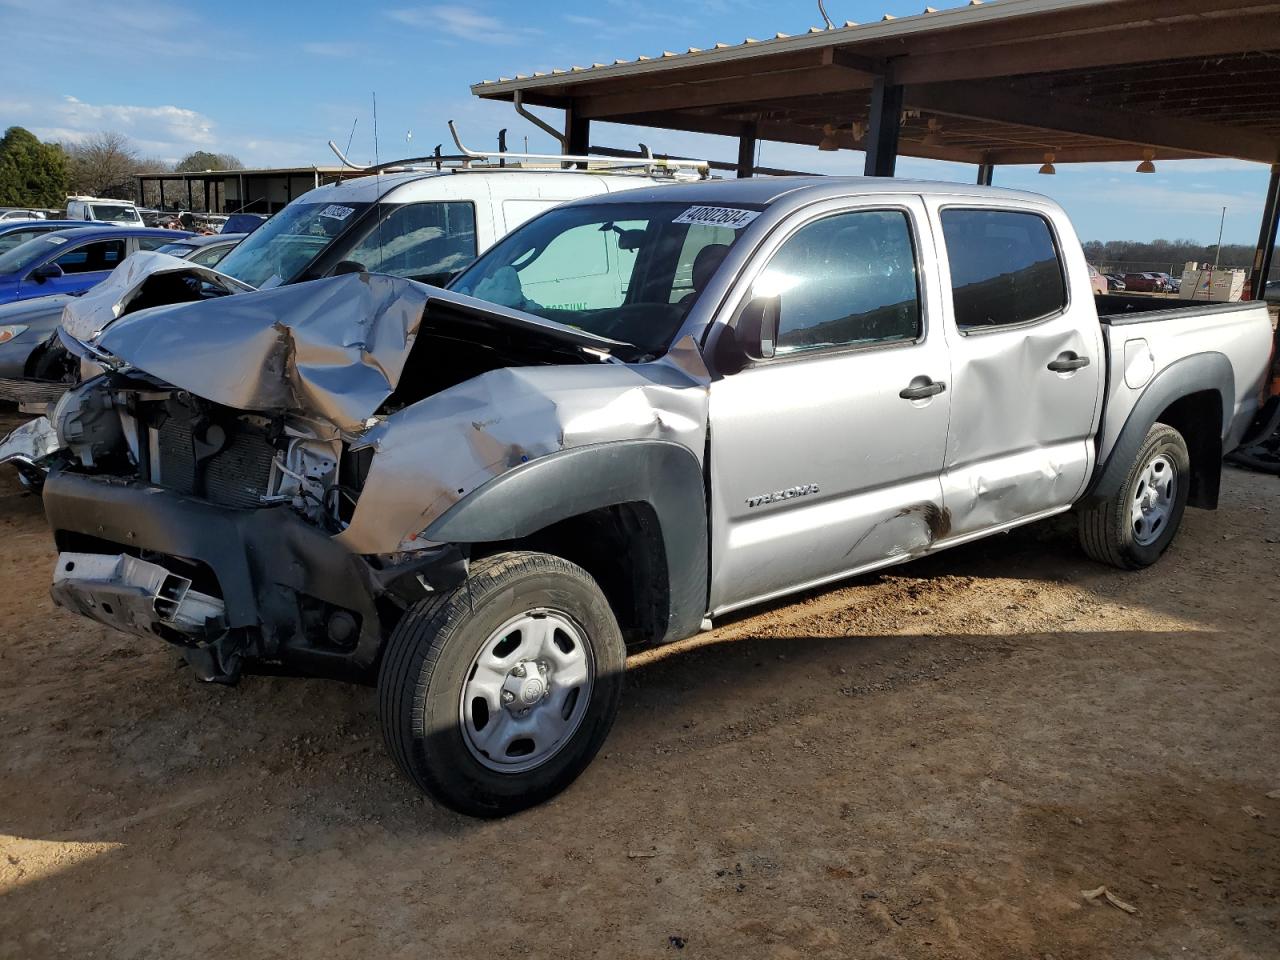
point(238, 475)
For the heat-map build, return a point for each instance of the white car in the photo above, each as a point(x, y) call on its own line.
point(120, 212)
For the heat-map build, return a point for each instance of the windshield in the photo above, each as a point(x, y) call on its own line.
point(627, 271)
point(14, 237)
point(26, 254)
point(114, 213)
point(282, 247)
point(176, 249)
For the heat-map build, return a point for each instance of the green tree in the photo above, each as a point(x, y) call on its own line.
point(32, 174)
point(202, 160)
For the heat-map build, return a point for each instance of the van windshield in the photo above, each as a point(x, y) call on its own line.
point(114, 213)
point(627, 271)
point(282, 247)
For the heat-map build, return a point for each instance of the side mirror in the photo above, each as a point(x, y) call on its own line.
point(46, 271)
point(753, 337)
point(757, 327)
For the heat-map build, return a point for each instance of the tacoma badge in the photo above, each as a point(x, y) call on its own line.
point(790, 493)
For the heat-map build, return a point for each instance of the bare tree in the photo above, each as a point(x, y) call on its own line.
point(103, 165)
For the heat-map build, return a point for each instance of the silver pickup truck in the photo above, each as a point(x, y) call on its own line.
point(636, 413)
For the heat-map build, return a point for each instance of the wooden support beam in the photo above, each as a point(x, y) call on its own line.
point(783, 132)
point(1102, 153)
point(996, 101)
point(883, 128)
point(1267, 238)
point(747, 149)
point(1205, 37)
point(805, 82)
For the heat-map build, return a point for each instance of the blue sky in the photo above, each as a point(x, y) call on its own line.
point(271, 81)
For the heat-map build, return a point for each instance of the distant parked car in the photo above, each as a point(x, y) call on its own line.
point(244, 222)
point(1097, 281)
point(67, 261)
point(202, 251)
point(1271, 292)
point(120, 212)
point(1115, 282)
point(21, 213)
point(14, 232)
point(1145, 283)
point(1173, 283)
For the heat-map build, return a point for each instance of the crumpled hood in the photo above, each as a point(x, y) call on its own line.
point(333, 348)
point(102, 305)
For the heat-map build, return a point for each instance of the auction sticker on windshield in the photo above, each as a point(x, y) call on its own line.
point(729, 217)
point(337, 211)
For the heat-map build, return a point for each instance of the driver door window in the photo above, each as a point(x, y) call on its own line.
point(846, 280)
point(429, 242)
point(92, 257)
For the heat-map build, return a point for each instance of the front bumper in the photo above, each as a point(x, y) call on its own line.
point(280, 581)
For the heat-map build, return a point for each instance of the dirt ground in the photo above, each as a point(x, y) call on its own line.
point(930, 763)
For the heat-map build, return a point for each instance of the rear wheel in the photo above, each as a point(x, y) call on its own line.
point(495, 696)
point(1132, 528)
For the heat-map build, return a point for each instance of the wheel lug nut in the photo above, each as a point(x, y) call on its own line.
point(507, 696)
point(519, 671)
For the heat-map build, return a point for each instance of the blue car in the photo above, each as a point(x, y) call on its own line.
point(14, 232)
point(69, 261)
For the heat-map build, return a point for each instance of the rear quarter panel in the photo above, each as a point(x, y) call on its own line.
point(1139, 348)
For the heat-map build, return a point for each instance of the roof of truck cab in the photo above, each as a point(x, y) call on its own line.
point(763, 191)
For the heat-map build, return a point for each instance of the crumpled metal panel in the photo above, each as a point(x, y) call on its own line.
point(331, 348)
point(432, 454)
point(334, 348)
point(30, 443)
point(85, 316)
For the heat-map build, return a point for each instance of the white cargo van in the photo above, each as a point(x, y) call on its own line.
point(108, 211)
point(423, 224)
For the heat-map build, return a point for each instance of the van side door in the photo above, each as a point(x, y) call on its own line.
point(1027, 360)
point(825, 460)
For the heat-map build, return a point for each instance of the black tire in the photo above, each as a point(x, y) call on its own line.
point(429, 658)
point(1107, 531)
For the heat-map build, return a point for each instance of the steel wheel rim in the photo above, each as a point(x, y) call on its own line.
point(527, 691)
point(1153, 500)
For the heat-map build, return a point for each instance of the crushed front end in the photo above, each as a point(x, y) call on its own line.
point(213, 529)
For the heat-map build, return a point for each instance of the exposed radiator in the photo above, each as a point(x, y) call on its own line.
point(238, 475)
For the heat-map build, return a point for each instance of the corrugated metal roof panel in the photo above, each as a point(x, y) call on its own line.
point(887, 28)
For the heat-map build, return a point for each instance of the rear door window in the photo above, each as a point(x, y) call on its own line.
point(1005, 268)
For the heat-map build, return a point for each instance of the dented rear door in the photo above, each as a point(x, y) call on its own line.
point(1027, 361)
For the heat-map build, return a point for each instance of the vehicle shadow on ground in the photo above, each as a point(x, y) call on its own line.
point(791, 730)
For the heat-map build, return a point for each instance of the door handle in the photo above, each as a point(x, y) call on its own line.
point(1068, 361)
point(921, 389)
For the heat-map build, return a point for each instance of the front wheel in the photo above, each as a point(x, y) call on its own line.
point(1134, 526)
point(494, 696)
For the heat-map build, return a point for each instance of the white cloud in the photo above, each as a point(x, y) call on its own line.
point(164, 131)
point(465, 24)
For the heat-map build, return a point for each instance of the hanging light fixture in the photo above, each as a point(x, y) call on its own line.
point(931, 139)
point(828, 141)
point(1047, 168)
point(1147, 166)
